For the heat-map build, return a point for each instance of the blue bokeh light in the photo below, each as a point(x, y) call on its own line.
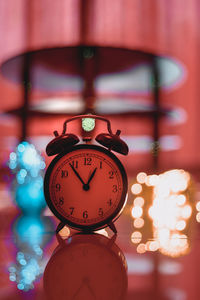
point(26, 273)
point(30, 230)
point(29, 234)
point(20, 286)
point(30, 197)
point(28, 166)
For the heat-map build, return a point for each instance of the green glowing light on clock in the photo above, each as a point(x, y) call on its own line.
point(88, 124)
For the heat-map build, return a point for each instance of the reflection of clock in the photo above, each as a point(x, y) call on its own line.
point(86, 185)
point(86, 267)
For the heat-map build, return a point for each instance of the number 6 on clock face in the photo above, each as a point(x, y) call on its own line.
point(86, 187)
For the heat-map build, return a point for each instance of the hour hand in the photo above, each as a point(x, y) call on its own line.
point(77, 174)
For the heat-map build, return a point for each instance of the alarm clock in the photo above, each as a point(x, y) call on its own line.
point(86, 266)
point(85, 185)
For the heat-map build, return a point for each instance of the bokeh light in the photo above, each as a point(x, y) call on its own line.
point(141, 177)
point(136, 237)
point(198, 206)
point(28, 166)
point(31, 234)
point(136, 188)
point(163, 212)
point(138, 201)
point(141, 248)
point(198, 217)
point(138, 223)
point(137, 211)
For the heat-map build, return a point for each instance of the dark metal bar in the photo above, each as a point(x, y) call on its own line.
point(157, 113)
point(134, 113)
point(156, 134)
point(88, 69)
point(27, 87)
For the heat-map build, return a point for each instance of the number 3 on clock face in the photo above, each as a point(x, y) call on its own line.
point(86, 187)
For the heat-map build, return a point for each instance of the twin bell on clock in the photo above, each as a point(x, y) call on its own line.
point(85, 185)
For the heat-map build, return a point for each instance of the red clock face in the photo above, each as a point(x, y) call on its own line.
point(86, 187)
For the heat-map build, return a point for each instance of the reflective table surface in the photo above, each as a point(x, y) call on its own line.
point(35, 263)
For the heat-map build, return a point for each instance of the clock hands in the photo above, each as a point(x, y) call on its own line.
point(86, 186)
point(85, 283)
point(91, 176)
point(77, 174)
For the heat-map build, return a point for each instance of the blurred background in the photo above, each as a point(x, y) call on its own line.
point(136, 63)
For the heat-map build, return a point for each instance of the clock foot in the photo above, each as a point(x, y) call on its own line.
point(111, 241)
point(60, 240)
point(60, 226)
point(111, 225)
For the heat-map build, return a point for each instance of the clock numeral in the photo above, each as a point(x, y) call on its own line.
point(109, 202)
point(72, 210)
point(85, 214)
point(64, 173)
point(74, 163)
point(58, 187)
point(111, 174)
point(100, 165)
point(115, 189)
point(87, 161)
point(61, 200)
point(101, 212)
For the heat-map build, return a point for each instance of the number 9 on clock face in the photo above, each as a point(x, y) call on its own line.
point(86, 187)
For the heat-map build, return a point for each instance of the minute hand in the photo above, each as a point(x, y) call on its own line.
point(77, 174)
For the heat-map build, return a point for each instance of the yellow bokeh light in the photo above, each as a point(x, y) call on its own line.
point(141, 177)
point(181, 199)
point(147, 245)
point(177, 180)
point(186, 211)
point(177, 245)
point(138, 223)
point(152, 180)
point(183, 241)
point(137, 212)
point(167, 198)
point(136, 188)
point(151, 212)
point(136, 237)
point(198, 217)
point(198, 206)
point(162, 235)
point(141, 248)
point(138, 201)
point(180, 225)
point(153, 246)
point(175, 240)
